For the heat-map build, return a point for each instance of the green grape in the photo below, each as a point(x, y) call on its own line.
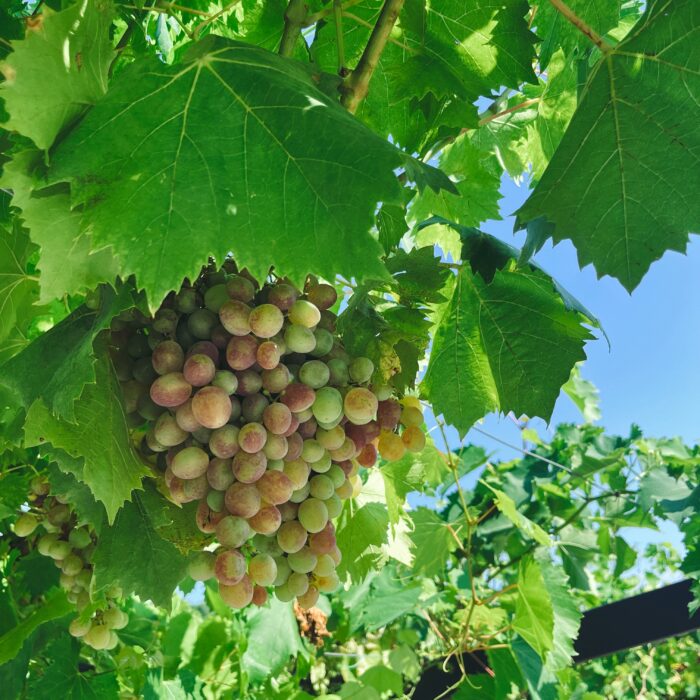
point(299, 339)
point(314, 373)
point(277, 418)
point(71, 565)
point(346, 451)
point(26, 524)
point(297, 583)
point(59, 550)
point(303, 561)
point(186, 300)
point(248, 468)
point(215, 297)
point(299, 495)
point(262, 569)
point(211, 407)
point(237, 595)
point(295, 444)
point(283, 593)
point(331, 439)
point(321, 487)
point(328, 405)
point(220, 474)
point(225, 380)
point(170, 390)
point(249, 382)
point(321, 466)
point(324, 342)
point(194, 489)
point(276, 380)
point(291, 536)
point(336, 475)
point(115, 618)
point(83, 578)
point(78, 627)
point(234, 317)
point(339, 375)
point(266, 545)
point(325, 565)
point(276, 465)
point(313, 515)
point(238, 287)
point(309, 599)
point(233, 531)
point(185, 418)
point(201, 322)
point(252, 437)
point(201, 566)
point(298, 472)
point(288, 511)
point(266, 521)
point(190, 463)
point(167, 431)
point(304, 313)
point(283, 571)
point(361, 370)
point(266, 320)
point(229, 567)
point(360, 405)
point(215, 500)
point(275, 448)
point(223, 442)
point(242, 500)
point(328, 584)
point(98, 637)
point(275, 487)
point(312, 450)
point(45, 542)
point(199, 370)
point(143, 370)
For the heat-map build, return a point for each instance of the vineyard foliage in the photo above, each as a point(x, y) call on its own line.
point(362, 144)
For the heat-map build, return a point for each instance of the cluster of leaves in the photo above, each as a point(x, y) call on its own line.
point(139, 140)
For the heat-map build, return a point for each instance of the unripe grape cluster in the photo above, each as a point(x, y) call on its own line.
point(51, 527)
point(255, 410)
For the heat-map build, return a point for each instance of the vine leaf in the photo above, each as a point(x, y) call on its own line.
point(623, 181)
point(271, 183)
point(432, 542)
point(504, 346)
point(100, 437)
point(132, 554)
point(59, 363)
point(362, 534)
point(58, 70)
point(534, 613)
point(530, 529)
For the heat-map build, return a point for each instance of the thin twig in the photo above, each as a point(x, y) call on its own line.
point(514, 108)
point(294, 19)
point(356, 86)
point(369, 25)
point(563, 9)
point(339, 38)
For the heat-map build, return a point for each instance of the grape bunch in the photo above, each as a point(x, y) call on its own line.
point(253, 408)
point(71, 549)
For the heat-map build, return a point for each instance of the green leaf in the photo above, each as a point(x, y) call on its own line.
point(622, 183)
point(360, 533)
point(55, 606)
point(504, 346)
point(270, 183)
point(584, 394)
point(64, 481)
point(132, 554)
point(478, 686)
point(100, 437)
point(272, 635)
point(531, 530)
point(383, 679)
point(59, 363)
point(534, 612)
point(389, 598)
point(432, 542)
point(58, 70)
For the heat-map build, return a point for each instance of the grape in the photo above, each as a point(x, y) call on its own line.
point(361, 370)
point(205, 347)
point(78, 537)
point(235, 409)
point(253, 405)
point(275, 487)
point(288, 511)
point(328, 321)
point(59, 514)
point(219, 474)
point(201, 322)
point(346, 451)
point(259, 596)
point(304, 313)
point(298, 397)
point(303, 416)
point(201, 566)
point(321, 466)
point(323, 542)
point(167, 432)
point(300, 495)
point(312, 451)
point(220, 337)
point(225, 380)
point(71, 565)
point(277, 418)
point(331, 439)
point(182, 334)
point(190, 463)
point(233, 531)
point(309, 599)
point(291, 536)
point(322, 296)
point(238, 287)
point(170, 390)
point(297, 470)
point(153, 444)
point(266, 320)
point(283, 593)
point(336, 475)
point(199, 369)
point(45, 543)
point(25, 524)
point(266, 545)
point(268, 354)
point(211, 406)
point(410, 415)
point(215, 500)
point(391, 446)
point(262, 570)
point(368, 456)
point(215, 297)
point(295, 445)
point(297, 583)
point(338, 371)
point(115, 618)
point(242, 500)
point(321, 487)
point(229, 567)
point(252, 437)
point(241, 352)
point(413, 438)
point(59, 549)
point(137, 346)
point(276, 380)
point(327, 584)
point(325, 565)
point(39, 485)
point(275, 449)
point(324, 342)
point(194, 489)
point(314, 373)
point(313, 515)
point(165, 321)
point(292, 428)
point(185, 418)
point(239, 594)
point(132, 391)
point(202, 435)
point(186, 300)
point(223, 442)
point(98, 637)
point(282, 296)
point(302, 561)
point(266, 521)
point(283, 571)
point(249, 382)
point(360, 405)
point(328, 405)
point(79, 628)
point(299, 339)
point(249, 467)
point(234, 317)
point(308, 428)
point(143, 370)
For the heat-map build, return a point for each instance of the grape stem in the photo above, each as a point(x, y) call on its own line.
point(563, 9)
point(294, 21)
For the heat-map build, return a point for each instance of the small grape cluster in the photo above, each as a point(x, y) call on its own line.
point(259, 413)
point(71, 549)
